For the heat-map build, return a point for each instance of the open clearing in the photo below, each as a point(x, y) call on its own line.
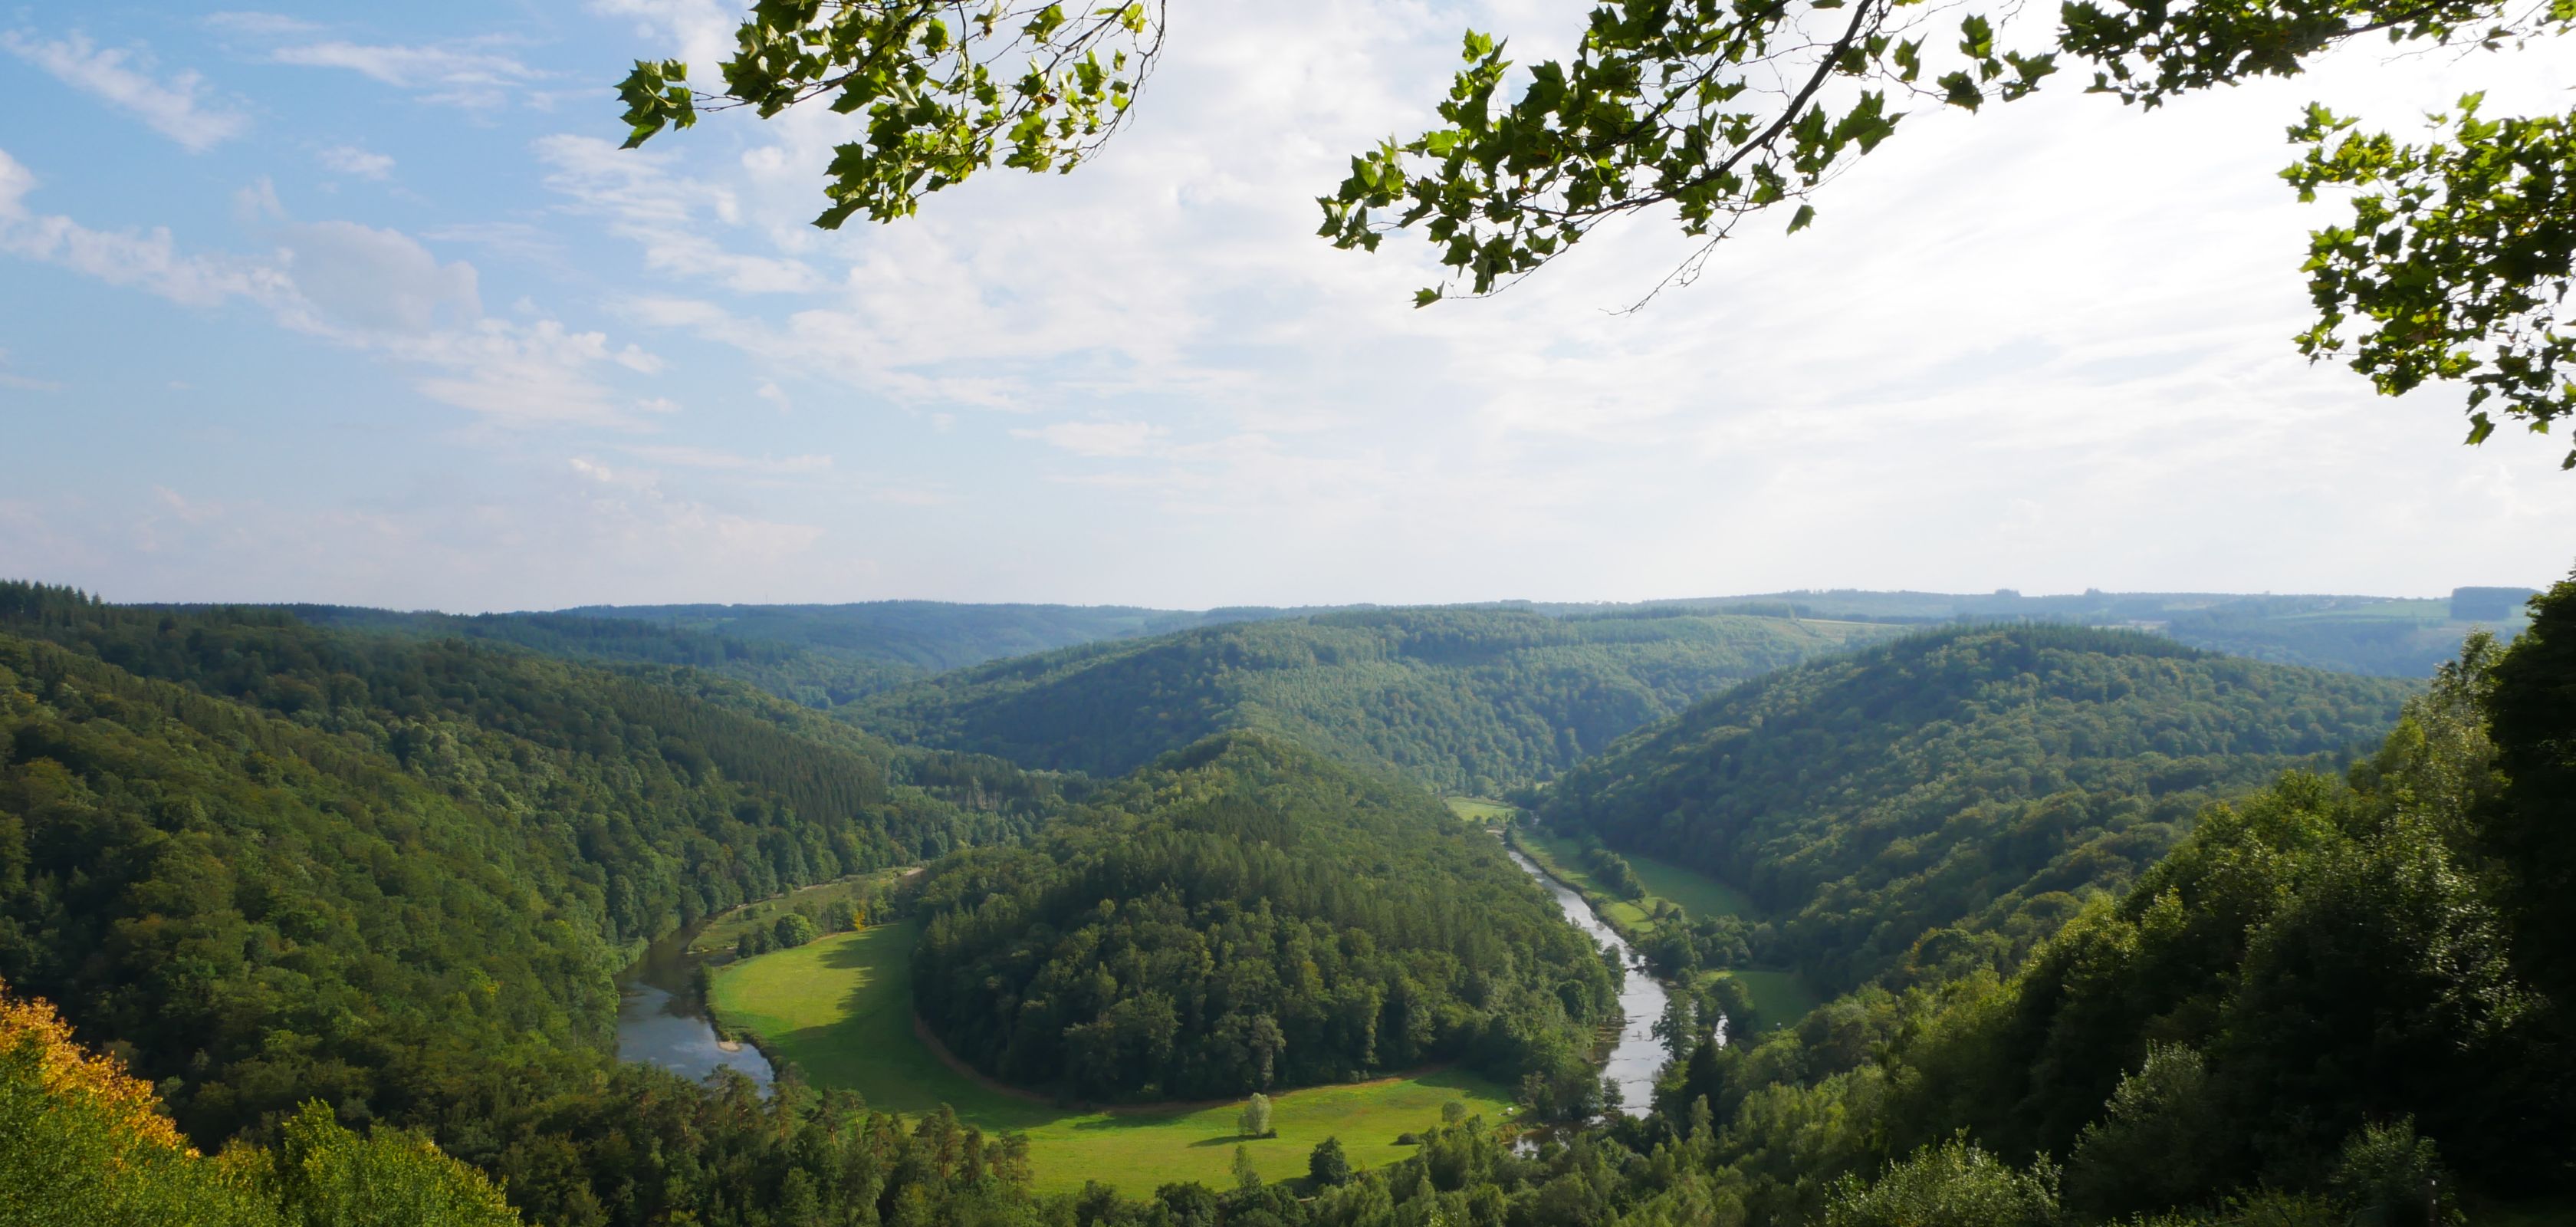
point(841, 1008)
point(1478, 809)
point(721, 932)
point(1779, 998)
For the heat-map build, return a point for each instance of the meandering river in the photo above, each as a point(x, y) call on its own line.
point(658, 1023)
point(1636, 1056)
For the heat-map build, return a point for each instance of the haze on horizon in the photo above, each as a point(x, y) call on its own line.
point(307, 306)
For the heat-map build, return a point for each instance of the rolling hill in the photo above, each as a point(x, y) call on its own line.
point(1978, 780)
point(1245, 915)
point(278, 864)
point(1463, 700)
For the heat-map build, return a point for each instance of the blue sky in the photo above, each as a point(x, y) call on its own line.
point(307, 305)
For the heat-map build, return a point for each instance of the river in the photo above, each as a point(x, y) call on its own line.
point(1634, 1060)
point(660, 1023)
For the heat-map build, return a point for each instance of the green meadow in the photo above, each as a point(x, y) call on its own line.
point(1779, 998)
point(1479, 809)
point(720, 933)
point(841, 1009)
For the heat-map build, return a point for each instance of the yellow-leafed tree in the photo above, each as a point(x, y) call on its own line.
point(85, 1144)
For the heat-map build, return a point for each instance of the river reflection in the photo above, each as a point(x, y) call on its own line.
point(1633, 1061)
point(659, 1025)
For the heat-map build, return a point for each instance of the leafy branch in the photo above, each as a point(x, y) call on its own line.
point(947, 86)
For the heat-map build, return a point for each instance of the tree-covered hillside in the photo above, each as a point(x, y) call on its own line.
point(1974, 784)
point(1245, 915)
point(811, 676)
point(2380, 636)
point(1465, 700)
point(275, 863)
point(2336, 1001)
point(927, 636)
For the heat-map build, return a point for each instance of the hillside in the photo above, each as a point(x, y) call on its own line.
point(1245, 915)
point(1465, 700)
point(2379, 636)
point(928, 636)
point(2335, 1001)
point(1977, 779)
point(277, 863)
point(811, 676)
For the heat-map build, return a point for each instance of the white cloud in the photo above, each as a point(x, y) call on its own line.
point(368, 289)
point(465, 76)
point(547, 535)
point(352, 160)
point(178, 107)
point(259, 24)
point(669, 215)
point(145, 260)
point(712, 458)
point(23, 383)
point(1098, 438)
point(377, 280)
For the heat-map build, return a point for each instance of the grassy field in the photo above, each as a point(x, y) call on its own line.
point(721, 932)
point(1478, 809)
point(1697, 893)
point(841, 1008)
point(1779, 997)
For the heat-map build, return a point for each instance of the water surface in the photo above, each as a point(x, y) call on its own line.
point(1637, 1055)
point(658, 1023)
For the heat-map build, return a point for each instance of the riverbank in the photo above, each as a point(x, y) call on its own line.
point(1632, 1056)
point(1779, 996)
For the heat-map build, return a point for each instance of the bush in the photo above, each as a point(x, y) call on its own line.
point(1256, 1118)
point(1953, 1184)
point(794, 929)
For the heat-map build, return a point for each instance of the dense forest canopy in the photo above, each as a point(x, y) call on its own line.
point(1245, 915)
point(2382, 636)
point(1465, 700)
point(277, 864)
point(814, 677)
point(2335, 1001)
point(1975, 784)
point(930, 636)
point(223, 854)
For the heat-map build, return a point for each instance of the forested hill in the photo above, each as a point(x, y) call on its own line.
point(1982, 780)
point(1243, 915)
point(811, 677)
point(2381, 636)
point(929, 636)
point(820, 656)
point(1465, 700)
point(277, 863)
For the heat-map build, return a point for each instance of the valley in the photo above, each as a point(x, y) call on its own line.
point(592, 636)
point(1902, 867)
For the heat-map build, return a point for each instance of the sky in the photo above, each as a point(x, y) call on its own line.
point(363, 304)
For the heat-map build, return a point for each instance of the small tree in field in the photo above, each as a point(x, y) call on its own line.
point(1328, 1167)
point(1256, 1117)
point(793, 929)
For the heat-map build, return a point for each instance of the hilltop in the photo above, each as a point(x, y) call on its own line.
point(1463, 700)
